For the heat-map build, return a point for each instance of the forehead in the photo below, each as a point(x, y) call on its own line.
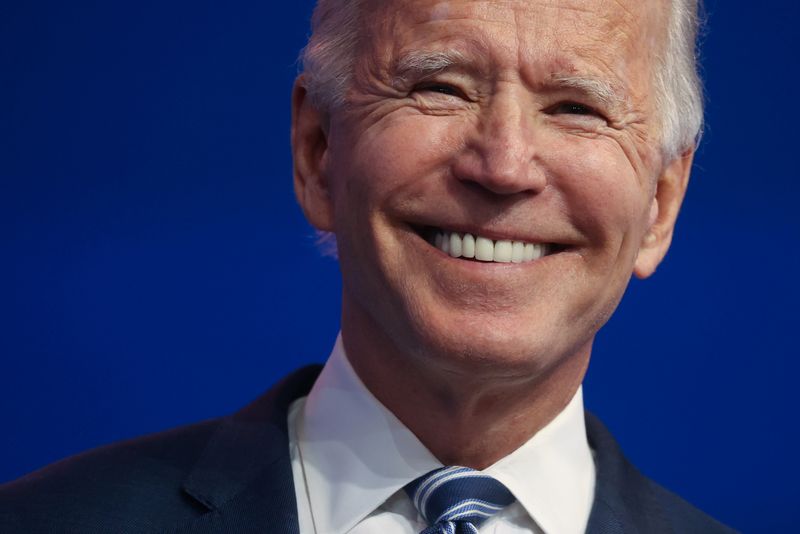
point(617, 38)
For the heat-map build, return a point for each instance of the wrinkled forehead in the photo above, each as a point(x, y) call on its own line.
point(610, 30)
point(627, 14)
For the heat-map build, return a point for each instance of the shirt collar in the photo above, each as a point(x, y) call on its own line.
point(356, 454)
point(552, 475)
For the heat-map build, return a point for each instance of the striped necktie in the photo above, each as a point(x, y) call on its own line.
point(456, 500)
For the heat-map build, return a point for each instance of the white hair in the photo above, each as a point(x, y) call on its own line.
point(328, 60)
point(678, 87)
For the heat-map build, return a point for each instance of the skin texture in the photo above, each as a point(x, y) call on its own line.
point(476, 357)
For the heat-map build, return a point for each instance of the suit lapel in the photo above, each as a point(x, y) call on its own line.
point(624, 501)
point(243, 480)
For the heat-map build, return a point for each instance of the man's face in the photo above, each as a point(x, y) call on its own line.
point(527, 121)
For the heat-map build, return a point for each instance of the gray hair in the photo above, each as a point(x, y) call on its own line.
point(327, 63)
point(328, 58)
point(678, 87)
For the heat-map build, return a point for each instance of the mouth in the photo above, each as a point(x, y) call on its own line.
point(474, 247)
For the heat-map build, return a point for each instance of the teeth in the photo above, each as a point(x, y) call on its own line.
point(528, 254)
point(518, 252)
point(502, 251)
point(455, 245)
point(484, 249)
point(468, 246)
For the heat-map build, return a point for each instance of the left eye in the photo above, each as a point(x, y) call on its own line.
point(572, 108)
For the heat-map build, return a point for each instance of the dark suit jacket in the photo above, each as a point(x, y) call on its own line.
point(234, 475)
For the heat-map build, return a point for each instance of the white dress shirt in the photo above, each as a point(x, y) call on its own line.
point(351, 458)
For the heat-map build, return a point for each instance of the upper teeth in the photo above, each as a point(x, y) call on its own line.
point(485, 249)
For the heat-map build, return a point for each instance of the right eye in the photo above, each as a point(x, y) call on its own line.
point(440, 88)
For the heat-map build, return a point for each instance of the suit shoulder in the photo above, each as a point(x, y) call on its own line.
point(684, 516)
point(623, 495)
point(129, 486)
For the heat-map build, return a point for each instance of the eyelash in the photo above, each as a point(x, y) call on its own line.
point(441, 88)
point(574, 108)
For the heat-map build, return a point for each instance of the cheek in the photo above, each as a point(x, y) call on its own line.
point(398, 160)
point(604, 195)
point(378, 172)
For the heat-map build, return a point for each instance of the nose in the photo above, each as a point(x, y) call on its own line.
point(500, 156)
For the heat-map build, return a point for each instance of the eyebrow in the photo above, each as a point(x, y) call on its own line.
point(423, 64)
point(595, 88)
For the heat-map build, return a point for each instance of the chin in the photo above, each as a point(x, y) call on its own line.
point(486, 351)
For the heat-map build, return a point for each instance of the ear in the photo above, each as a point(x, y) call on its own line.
point(664, 207)
point(309, 155)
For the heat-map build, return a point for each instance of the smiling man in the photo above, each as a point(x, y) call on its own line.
point(493, 173)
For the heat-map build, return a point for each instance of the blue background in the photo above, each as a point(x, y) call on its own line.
point(155, 270)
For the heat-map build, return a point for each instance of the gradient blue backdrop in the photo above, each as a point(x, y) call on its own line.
point(155, 270)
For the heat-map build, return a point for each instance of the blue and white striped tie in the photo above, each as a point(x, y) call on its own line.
point(456, 500)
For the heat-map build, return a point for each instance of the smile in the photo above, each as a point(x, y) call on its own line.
point(476, 247)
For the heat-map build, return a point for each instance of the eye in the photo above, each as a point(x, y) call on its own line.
point(441, 88)
point(573, 108)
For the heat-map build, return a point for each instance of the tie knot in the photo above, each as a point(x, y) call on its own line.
point(453, 497)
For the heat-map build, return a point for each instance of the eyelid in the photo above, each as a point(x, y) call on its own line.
point(590, 109)
point(432, 85)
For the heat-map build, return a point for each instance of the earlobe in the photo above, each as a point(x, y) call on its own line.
point(670, 190)
point(309, 156)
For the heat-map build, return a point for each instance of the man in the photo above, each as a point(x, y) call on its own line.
point(493, 173)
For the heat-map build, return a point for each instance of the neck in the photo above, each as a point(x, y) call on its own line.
point(465, 415)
